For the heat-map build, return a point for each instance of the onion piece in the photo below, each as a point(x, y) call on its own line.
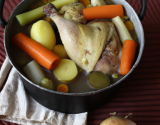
point(117, 120)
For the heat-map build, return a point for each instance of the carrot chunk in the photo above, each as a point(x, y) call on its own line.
point(128, 56)
point(62, 88)
point(85, 2)
point(103, 12)
point(36, 51)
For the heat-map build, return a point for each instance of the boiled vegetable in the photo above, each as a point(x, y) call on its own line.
point(89, 5)
point(85, 2)
point(46, 83)
point(98, 2)
point(128, 56)
point(62, 88)
point(102, 12)
point(122, 30)
point(66, 70)
point(114, 75)
point(37, 13)
point(38, 4)
point(60, 51)
point(47, 19)
point(36, 51)
point(117, 120)
point(129, 25)
point(34, 72)
point(43, 33)
point(129, 46)
point(98, 80)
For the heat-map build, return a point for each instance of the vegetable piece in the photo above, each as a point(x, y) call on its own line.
point(37, 13)
point(34, 72)
point(98, 2)
point(43, 33)
point(46, 83)
point(85, 2)
point(60, 51)
point(102, 12)
point(114, 75)
point(125, 18)
point(66, 70)
point(47, 19)
point(36, 51)
point(117, 120)
point(128, 55)
point(122, 30)
point(98, 80)
point(88, 6)
point(62, 88)
point(129, 25)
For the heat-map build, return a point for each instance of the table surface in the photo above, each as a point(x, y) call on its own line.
point(139, 94)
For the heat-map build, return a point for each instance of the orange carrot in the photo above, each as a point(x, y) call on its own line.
point(85, 2)
point(36, 51)
point(103, 12)
point(62, 88)
point(128, 55)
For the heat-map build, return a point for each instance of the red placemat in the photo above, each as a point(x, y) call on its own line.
point(140, 92)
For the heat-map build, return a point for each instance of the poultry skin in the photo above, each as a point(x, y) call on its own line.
point(85, 44)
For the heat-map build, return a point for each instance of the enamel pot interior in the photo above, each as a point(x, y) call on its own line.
point(64, 102)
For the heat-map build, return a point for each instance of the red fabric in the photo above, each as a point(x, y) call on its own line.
point(140, 92)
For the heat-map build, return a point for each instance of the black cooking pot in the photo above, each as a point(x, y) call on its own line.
point(65, 102)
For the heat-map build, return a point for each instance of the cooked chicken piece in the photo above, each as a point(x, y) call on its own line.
point(110, 60)
point(73, 12)
point(84, 44)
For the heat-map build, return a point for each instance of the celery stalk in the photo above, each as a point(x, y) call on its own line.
point(37, 13)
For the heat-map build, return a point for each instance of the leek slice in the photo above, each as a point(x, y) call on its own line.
point(37, 13)
point(34, 72)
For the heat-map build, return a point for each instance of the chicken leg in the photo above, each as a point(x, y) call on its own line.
point(84, 44)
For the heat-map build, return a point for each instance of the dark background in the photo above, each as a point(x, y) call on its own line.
point(140, 92)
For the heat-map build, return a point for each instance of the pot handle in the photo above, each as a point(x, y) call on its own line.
point(143, 9)
point(2, 20)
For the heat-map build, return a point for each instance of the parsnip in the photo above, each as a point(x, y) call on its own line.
point(117, 120)
point(34, 72)
point(98, 2)
point(37, 13)
point(122, 30)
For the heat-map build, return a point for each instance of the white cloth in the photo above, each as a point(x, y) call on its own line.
point(18, 107)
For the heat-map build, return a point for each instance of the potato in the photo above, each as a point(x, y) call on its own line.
point(60, 51)
point(66, 70)
point(43, 33)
